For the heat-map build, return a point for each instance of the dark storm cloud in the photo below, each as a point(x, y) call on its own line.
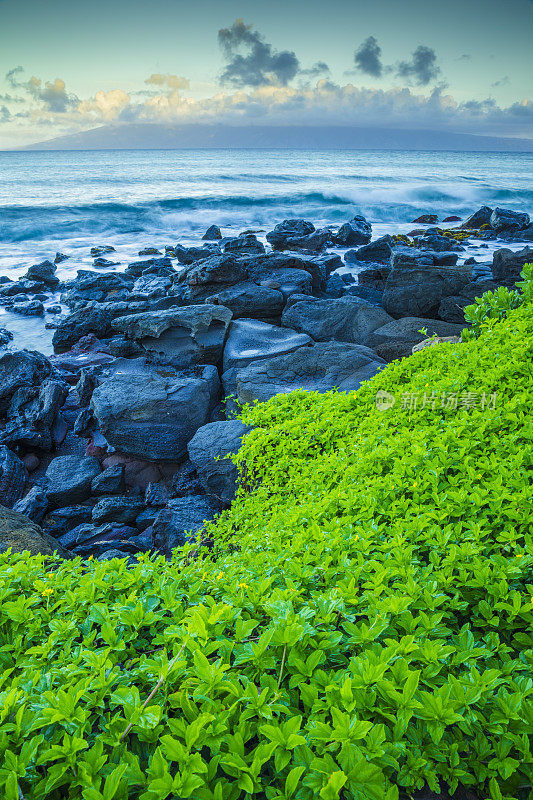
point(260, 65)
point(422, 68)
point(368, 58)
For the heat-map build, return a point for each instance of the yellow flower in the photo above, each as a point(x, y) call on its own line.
point(204, 576)
point(242, 585)
point(49, 574)
point(520, 555)
point(414, 484)
point(47, 592)
point(220, 576)
point(90, 558)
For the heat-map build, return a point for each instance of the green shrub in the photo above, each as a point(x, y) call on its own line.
point(494, 306)
point(361, 627)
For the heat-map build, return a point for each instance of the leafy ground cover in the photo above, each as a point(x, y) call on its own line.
point(360, 628)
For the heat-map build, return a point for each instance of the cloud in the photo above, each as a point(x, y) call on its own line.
point(168, 80)
point(260, 65)
point(505, 81)
point(464, 57)
point(5, 114)
point(422, 68)
point(368, 58)
point(320, 68)
point(54, 95)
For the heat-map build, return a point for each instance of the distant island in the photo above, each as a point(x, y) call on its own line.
point(151, 136)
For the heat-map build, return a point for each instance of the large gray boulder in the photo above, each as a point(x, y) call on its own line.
point(355, 232)
point(20, 534)
point(43, 273)
point(179, 521)
point(320, 368)
point(208, 450)
point(249, 340)
point(68, 479)
point(97, 287)
point(397, 338)
point(92, 318)
point(247, 299)
point(180, 336)
point(346, 319)
point(507, 264)
point(415, 288)
point(12, 477)
point(225, 268)
point(502, 219)
point(286, 280)
point(297, 234)
point(152, 414)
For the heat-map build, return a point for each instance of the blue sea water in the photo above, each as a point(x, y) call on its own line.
point(70, 201)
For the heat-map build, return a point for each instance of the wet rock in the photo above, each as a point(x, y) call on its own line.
point(335, 286)
point(525, 234)
point(62, 520)
point(378, 251)
point(68, 479)
point(357, 231)
point(415, 288)
point(124, 509)
point(374, 277)
point(31, 308)
point(438, 243)
point(33, 416)
point(183, 336)
point(147, 518)
point(19, 533)
point(21, 369)
point(297, 234)
point(320, 368)
point(249, 340)
point(150, 251)
point(101, 250)
point(507, 265)
point(477, 219)
point(208, 450)
point(397, 338)
point(161, 265)
point(244, 244)
point(157, 494)
point(93, 318)
point(104, 263)
point(217, 269)
point(212, 234)
point(153, 414)
point(502, 219)
point(12, 477)
point(247, 299)
point(92, 286)
point(60, 257)
point(286, 280)
point(426, 219)
point(33, 505)
point(109, 482)
point(348, 319)
point(452, 219)
point(178, 522)
point(44, 273)
point(5, 337)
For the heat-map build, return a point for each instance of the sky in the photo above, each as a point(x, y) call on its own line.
point(67, 66)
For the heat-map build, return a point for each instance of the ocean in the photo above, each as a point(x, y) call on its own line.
point(131, 199)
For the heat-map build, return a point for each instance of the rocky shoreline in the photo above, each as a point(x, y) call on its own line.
point(115, 444)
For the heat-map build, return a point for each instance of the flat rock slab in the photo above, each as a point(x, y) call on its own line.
point(249, 340)
point(321, 368)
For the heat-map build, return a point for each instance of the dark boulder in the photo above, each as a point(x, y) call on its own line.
point(93, 318)
point(247, 299)
point(355, 232)
point(43, 273)
point(212, 234)
point(507, 264)
point(152, 414)
point(62, 520)
point(297, 234)
point(416, 288)
point(21, 369)
point(182, 336)
point(320, 368)
point(33, 418)
point(348, 319)
point(124, 509)
point(12, 477)
point(180, 521)
point(426, 219)
point(33, 505)
point(477, 219)
point(109, 482)
point(30, 308)
point(68, 479)
point(509, 221)
point(244, 244)
point(20, 534)
point(208, 450)
point(379, 251)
